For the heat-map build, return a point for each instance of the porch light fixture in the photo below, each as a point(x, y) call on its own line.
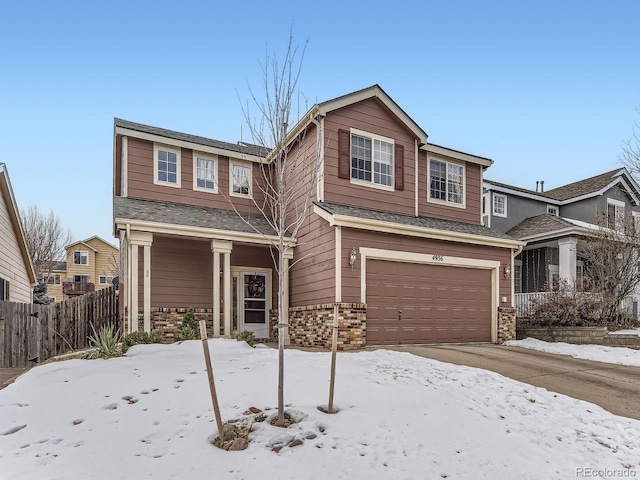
point(507, 270)
point(353, 256)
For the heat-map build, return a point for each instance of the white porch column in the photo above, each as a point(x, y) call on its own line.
point(224, 247)
point(145, 240)
point(288, 255)
point(567, 266)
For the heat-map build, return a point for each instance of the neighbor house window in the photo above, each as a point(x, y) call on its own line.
point(80, 257)
point(241, 179)
point(499, 205)
point(615, 214)
point(81, 278)
point(552, 210)
point(104, 279)
point(52, 279)
point(205, 170)
point(372, 159)
point(517, 276)
point(4, 290)
point(166, 166)
point(446, 182)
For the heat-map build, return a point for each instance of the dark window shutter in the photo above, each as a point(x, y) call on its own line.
point(399, 167)
point(344, 154)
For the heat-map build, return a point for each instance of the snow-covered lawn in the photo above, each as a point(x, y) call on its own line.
point(149, 415)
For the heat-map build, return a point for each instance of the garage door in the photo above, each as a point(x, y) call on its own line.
point(410, 303)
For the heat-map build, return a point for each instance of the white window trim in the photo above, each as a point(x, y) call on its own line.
point(493, 205)
point(100, 277)
point(619, 222)
point(73, 258)
point(371, 184)
point(557, 209)
point(214, 159)
point(177, 151)
point(464, 184)
point(54, 276)
point(243, 164)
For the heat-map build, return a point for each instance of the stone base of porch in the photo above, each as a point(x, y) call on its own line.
point(169, 320)
point(506, 324)
point(312, 326)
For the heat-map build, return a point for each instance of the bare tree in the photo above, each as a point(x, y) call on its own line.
point(630, 156)
point(46, 238)
point(289, 173)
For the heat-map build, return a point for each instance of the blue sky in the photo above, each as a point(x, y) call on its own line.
point(549, 90)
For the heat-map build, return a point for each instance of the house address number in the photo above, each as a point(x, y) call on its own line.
point(438, 258)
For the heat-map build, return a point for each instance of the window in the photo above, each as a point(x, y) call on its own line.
point(499, 205)
point(372, 159)
point(52, 279)
point(552, 210)
point(81, 278)
point(517, 276)
point(615, 215)
point(241, 179)
point(105, 279)
point(4, 290)
point(166, 166)
point(205, 173)
point(80, 257)
point(446, 182)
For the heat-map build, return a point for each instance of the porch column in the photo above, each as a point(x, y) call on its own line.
point(224, 247)
point(288, 255)
point(567, 267)
point(145, 240)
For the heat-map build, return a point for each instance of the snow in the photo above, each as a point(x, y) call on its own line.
point(148, 415)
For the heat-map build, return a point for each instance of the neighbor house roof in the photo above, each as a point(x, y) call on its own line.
point(584, 187)
point(240, 147)
point(420, 224)
point(14, 216)
point(168, 215)
point(547, 226)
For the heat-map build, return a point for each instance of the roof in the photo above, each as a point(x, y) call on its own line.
point(413, 221)
point(87, 240)
point(159, 212)
point(240, 147)
point(14, 215)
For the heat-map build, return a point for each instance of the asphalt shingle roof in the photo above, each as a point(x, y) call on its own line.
point(539, 224)
point(188, 215)
point(240, 147)
point(424, 222)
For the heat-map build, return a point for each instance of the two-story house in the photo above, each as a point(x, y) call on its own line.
point(17, 274)
point(90, 265)
point(394, 237)
point(553, 223)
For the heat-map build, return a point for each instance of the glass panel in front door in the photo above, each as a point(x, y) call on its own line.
point(255, 303)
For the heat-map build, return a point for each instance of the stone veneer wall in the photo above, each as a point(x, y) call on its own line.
point(506, 324)
point(169, 320)
point(581, 335)
point(312, 326)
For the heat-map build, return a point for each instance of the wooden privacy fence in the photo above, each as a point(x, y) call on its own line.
point(34, 333)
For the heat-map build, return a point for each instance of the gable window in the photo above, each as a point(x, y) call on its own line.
point(615, 214)
point(205, 173)
point(105, 279)
point(552, 210)
point(80, 257)
point(166, 166)
point(241, 179)
point(499, 205)
point(371, 159)
point(446, 182)
point(4, 290)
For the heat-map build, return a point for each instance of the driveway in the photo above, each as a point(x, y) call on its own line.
point(615, 388)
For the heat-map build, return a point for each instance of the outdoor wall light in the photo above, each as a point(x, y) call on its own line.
point(507, 270)
point(353, 256)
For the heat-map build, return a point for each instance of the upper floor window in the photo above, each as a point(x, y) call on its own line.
point(80, 257)
point(499, 205)
point(552, 210)
point(106, 279)
point(446, 182)
point(615, 214)
point(372, 159)
point(81, 278)
point(51, 279)
point(166, 165)
point(241, 179)
point(205, 173)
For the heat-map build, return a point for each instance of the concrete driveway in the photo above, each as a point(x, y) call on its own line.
point(615, 388)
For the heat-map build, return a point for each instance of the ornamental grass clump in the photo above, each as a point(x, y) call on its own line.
point(105, 342)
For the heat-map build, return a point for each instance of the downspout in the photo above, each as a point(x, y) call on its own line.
point(128, 279)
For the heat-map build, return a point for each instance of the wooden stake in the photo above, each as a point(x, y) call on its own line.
point(334, 349)
point(212, 385)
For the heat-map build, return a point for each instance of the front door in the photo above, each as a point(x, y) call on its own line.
point(254, 302)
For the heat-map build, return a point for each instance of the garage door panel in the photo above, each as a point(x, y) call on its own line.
point(417, 303)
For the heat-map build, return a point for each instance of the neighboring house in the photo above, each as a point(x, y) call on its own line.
point(394, 236)
point(17, 275)
point(553, 222)
point(91, 265)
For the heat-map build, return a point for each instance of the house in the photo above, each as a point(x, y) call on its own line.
point(394, 238)
point(553, 222)
point(17, 275)
point(90, 265)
